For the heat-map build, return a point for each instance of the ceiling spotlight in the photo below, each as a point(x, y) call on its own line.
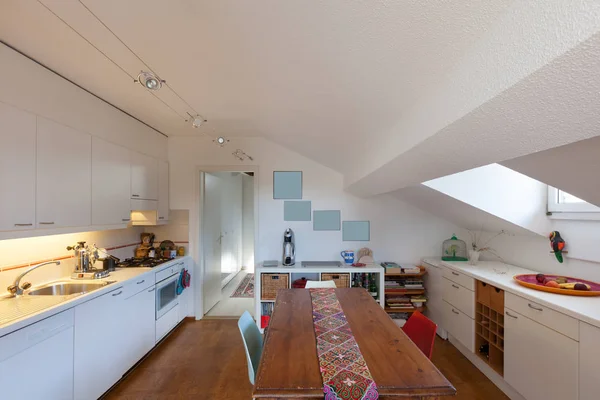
point(149, 80)
point(221, 141)
point(197, 121)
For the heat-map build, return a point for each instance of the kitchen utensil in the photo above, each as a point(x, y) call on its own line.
point(530, 281)
point(289, 248)
point(348, 256)
point(167, 245)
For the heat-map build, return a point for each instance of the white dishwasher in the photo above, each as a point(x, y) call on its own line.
point(36, 362)
point(434, 282)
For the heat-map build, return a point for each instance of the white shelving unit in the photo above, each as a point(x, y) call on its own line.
point(297, 272)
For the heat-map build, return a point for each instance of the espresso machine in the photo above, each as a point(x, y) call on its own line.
point(289, 248)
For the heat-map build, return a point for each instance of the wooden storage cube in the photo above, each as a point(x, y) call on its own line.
point(341, 280)
point(497, 360)
point(483, 293)
point(480, 341)
point(271, 283)
point(496, 299)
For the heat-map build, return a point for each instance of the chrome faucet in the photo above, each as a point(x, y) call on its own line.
point(16, 289)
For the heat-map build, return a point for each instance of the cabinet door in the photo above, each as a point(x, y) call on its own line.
point(163, 191)
point(140, 326)
point(460, 326)
point(111, 183)
point(539, 362)
point(17, 169)
point(589, 361)
point(64, 172)
point(98, 350)
point(144, 177)
point(36, 362)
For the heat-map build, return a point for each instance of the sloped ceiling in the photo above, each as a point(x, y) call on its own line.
point(574, 168)
point(456, 211)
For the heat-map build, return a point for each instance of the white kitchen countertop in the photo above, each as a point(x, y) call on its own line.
point(51, 305)
point(586, 309)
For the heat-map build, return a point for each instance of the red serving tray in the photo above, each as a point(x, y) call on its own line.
point(528, 280)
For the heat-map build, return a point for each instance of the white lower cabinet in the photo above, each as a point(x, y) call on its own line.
point(139, 327)
point(460, 326)
point(98, 350)
point(540, 363)
point(589, 361)
point(36, 362)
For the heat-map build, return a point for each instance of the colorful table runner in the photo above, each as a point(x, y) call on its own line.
point(343, 369)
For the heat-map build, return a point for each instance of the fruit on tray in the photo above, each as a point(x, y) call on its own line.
point(575, 286)
point(541, 278)
point(561, 279)
point(552, 284)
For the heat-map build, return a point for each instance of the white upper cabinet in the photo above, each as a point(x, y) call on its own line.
point(163, 191)
point(17, 169)
point(144, 177)
point(64, 172)
point(111, 183)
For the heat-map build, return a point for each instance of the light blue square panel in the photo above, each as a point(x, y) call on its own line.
point(327, 220)
point(287, 185)
point(356, 231)
point(296, 210)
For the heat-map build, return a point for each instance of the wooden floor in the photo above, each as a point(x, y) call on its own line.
point(205, 360)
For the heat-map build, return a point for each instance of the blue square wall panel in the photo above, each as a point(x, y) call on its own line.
point(287, 185)
point(356, 231)
point(296, 210)
point(327, 220)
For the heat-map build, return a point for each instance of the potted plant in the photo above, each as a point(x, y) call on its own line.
point(477, 247)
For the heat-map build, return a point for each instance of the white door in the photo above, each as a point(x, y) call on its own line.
point(144, 177)
point(17, 169)
point(212, 238)
point(111, 183)
point(535, 356)
point(64, 174)
point(231, 223)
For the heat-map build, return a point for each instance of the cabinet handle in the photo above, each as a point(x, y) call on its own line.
point(126, 219)
point(116, 294)
point(455, 273)
point(47, 223)
point(135, 195)
point(510, 315)
point(454, 311)
point(23, 224)
point(140, 282)
point(152, 290)
point(161, 217)
point(535, 308)
point(454, 286)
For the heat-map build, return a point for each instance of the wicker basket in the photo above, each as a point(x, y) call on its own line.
point(271, 283)
point(341, 280)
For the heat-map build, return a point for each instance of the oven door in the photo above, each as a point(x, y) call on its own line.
point(166, 295)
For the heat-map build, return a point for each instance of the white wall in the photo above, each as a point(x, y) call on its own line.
point(33, 88)
point(502, 192)
point(248, 222)
point(398, 231)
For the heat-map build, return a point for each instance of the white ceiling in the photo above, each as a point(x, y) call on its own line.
point(320, 77)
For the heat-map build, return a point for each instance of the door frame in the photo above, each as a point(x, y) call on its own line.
point(196, 225)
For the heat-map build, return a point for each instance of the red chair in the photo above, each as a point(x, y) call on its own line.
point(421, 330)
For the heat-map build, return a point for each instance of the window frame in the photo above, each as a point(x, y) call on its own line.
point(555, 206)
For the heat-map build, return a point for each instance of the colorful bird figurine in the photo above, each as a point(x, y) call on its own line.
point(558, 244)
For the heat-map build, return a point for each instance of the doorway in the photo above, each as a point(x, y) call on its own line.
point(228, 231)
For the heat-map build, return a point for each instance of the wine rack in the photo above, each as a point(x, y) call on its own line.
point(489, 326)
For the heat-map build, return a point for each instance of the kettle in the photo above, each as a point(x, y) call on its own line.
point(289, 248)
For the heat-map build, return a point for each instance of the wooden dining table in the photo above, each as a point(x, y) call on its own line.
point(289, 365)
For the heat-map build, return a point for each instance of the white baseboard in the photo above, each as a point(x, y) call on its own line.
point(487, 371)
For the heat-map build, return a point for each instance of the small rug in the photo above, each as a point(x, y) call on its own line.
point(343, 369)
point(246, 288)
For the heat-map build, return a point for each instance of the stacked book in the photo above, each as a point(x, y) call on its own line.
point(413, 284)
point(411, 269)
point(418, 301)
point(395, 268)
point(399, 303)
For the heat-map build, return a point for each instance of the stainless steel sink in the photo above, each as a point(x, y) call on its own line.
point(66, 288)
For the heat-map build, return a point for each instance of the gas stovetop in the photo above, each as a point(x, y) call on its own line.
point(142, 262)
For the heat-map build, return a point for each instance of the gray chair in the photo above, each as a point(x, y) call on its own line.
point(253, 343)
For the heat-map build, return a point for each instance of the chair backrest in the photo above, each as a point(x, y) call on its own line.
point(253, 343)
point(320, 284)
point(421, 330)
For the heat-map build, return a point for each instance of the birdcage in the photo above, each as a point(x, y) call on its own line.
point(454, 249)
